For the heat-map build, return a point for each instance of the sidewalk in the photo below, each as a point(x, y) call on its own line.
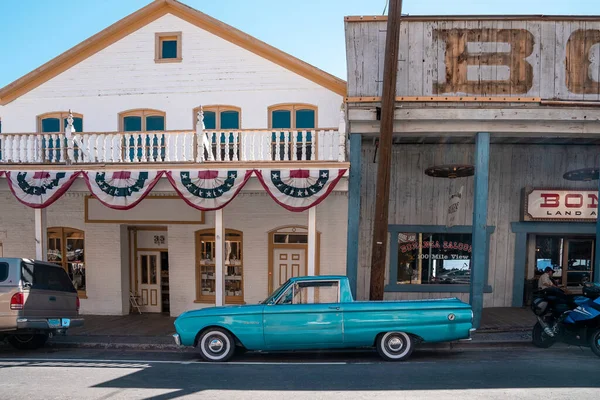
point(500, 327)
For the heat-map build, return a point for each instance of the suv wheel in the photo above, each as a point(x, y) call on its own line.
point(28, 342)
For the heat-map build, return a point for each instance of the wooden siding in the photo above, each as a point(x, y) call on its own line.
point(517, 58)
point(418, 199)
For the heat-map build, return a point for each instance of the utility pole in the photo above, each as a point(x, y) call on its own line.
point(382, 196)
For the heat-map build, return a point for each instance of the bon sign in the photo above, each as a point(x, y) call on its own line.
point(561, 205)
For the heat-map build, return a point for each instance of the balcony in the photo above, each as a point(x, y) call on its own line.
point(173, 147)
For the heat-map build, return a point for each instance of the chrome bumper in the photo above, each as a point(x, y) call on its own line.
point(42, 324)
point(177, 339)
point(471, 332)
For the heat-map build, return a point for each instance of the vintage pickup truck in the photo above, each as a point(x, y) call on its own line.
point(318, 312)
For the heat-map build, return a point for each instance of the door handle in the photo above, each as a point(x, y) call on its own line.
point(52, 298)
point(333, 308)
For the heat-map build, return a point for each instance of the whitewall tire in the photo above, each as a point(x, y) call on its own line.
point(216, 345)
point(395, 346)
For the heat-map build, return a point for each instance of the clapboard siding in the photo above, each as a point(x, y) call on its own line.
point(551, 67)
point(418, 199)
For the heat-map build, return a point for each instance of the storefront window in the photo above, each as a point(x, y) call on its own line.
point(557, 252)
point(66, 248)
point(205, 266)
point(434, 258)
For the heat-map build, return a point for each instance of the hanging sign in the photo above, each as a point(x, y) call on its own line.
point(39, 189)
point(300, 189)
point(208, 189)
point(560, 205)
point(454, 208)
point(121, 190)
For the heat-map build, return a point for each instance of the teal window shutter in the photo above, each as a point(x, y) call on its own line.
point(77, 124)
point(210, 120)
point(305, 119)
point(230, 120)
point(155, 123)
point(50, 125)
point(132, 124)
point(169, 49)
point(281, 119)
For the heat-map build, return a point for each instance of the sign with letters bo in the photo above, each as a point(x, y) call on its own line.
point(561, 205)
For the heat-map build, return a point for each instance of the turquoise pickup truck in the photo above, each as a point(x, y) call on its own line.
point(318, 312)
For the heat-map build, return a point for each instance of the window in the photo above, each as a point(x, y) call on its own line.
point(205, 266)
point(66, 248)
point(56, 122)
point(315, 292)
point(221, 118)
point(168, 47)
point(576, 253)
point(142, 120)
point(3, 271)
point(434, 258)
point(293, 117)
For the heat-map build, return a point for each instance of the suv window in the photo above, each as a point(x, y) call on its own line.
point(46, 277)
point(3, 271)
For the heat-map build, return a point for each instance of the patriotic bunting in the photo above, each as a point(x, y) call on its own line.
point(121, 190)
point(208, 189)
point(39, 189)
point(300, 189)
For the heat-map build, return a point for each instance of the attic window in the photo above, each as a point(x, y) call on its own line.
point(168, 47)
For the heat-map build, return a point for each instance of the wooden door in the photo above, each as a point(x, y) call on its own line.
point(149, 281)
point(288, 263)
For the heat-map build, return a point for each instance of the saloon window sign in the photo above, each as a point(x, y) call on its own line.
point(560, 205)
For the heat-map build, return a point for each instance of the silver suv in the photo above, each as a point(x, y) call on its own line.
point(37, 300)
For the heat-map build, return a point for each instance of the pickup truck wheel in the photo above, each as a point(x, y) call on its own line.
point(28, 342)
point(216, 344)
point(395, 346)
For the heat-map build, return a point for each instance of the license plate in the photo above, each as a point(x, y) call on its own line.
point(54, 323)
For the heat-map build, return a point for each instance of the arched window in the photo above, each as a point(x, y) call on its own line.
point(56, 122)
point(218, 117)
point(205, 266)
point(142, 120)
point(293, 117)
point(66, 248)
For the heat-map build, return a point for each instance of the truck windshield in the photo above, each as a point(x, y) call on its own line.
point(275, 294)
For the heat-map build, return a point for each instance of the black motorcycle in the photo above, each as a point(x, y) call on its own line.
point(571, 319)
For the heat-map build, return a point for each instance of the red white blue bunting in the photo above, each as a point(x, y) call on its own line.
point(300, 189)
point(208, 189)
point(121, 190)
point(39, 189)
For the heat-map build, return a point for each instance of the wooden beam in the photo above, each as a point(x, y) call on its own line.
point(41, 231)
point(455, 99)
point(219, 259)
point(446, 18)
point(596, 274)
point(353, 235)
point(380, 228)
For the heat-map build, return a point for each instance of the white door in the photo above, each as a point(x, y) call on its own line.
point(288, 263)
point(149, 281)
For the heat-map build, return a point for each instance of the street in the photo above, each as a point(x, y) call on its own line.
point(528, 373)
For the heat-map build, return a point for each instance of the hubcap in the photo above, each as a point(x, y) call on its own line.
point(215, 345)
point(395, 344)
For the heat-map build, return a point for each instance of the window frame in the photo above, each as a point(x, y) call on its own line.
point(61, 116)
point(63, 248)
point(143, 113)
point(394, 230)
point(210, 299)
point(159, 37)
point(217, 109)
point(292, 107)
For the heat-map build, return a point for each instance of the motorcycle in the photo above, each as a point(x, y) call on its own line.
point(570, 319)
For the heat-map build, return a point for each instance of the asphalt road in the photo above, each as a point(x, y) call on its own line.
point(527, 373)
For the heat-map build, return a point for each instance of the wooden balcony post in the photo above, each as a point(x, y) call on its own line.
point(342, 135)
point(219, 259)
point(69, 130)
point(41, 248)
point(198, 153)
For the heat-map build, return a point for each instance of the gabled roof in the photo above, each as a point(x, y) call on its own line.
point(144, 16)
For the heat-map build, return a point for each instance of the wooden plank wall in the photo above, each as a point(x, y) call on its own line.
point(418, 199)
point(547, 59)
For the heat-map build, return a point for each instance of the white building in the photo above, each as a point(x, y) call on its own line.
point(148, 158)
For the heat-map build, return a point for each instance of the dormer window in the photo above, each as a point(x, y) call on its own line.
point(168, 47)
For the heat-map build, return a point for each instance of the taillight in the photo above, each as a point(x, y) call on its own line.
point(78, 304)
point(16, 302)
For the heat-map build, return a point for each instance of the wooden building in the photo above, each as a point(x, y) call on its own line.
point(514, 99)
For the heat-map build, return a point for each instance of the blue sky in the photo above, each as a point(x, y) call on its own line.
point(35, 31)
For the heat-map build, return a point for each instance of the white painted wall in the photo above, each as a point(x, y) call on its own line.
point(124, 76)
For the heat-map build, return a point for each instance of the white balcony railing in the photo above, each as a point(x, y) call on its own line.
point(174, 146)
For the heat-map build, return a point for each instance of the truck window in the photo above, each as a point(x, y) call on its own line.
point(46, 277)
point(3, 271)
point(318, 292)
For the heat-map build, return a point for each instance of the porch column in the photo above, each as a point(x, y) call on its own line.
point(478, 258)
point(41, 229)
point(596, 277)
point(312, 240)
point(219, 259)
point(353, 211)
